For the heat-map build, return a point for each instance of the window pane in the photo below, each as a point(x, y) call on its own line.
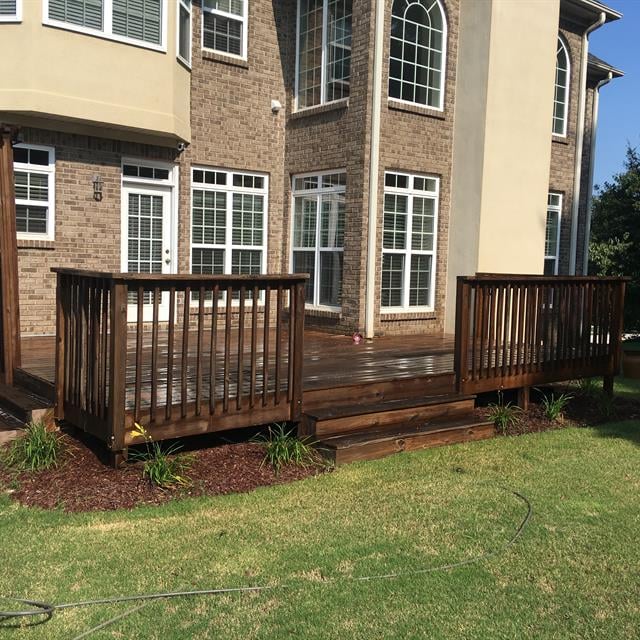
point(84, 13)
point(551, 238)
point(235, 7)
point(561, 89)
point(423, 219)
point(31, 219)
point(207, 261)
point(184, 32)
point(305, 262)
point(222, 34)
point(395, 221)
point(246, 262)
point(550, 266)
point(304, 222)
point(7, 7)
point(331, 278)
point(420, 281)
point(332, 220)
point(138, 19)
point(338, 70)
point(310, 53)
point(392, 279)
point(208, 217)
point(248, 219)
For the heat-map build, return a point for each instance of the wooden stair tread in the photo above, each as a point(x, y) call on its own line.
point(345, 411)
point(9, 422)
point(364, 437)
point(13, 397)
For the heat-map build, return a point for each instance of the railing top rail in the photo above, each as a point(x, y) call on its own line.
point(183, 278)
point(510, 277)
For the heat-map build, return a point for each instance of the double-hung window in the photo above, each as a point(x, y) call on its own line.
point(184, 31)
point(318, 235)
point(137, 21)
point(224, 26)
point(10, 10)
point(34, 174)
point(552, 237)
point(324, 51)
point(561, 91)
point(409, 242)
point(228, 222)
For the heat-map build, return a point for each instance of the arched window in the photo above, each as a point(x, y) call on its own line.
point(417, 55)
point(561, 97)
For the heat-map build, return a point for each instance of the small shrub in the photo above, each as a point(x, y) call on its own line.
point(588, 387)
point(504, 416)
point(36, 449)
point(162, 467)
point(553, 407)
point(283, 448)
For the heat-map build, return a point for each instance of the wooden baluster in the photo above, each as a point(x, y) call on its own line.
point(213, 348)
point(154, 354)
point(513, 336)
point(254, 344)
point(586, 337)
point(184, 359)
point(296, 326)
point(506, 330)
point(61, 345)
point(278, 342)
point(500, 304)
point(491, 330)
point(227, 350)
point(291, 344)
point(199, 354)
point(104, 348)
point(170, 348)
point(462, 329)
point(522, 301)
point(265, 345)
point(139, 338)
point(476, 356)
point(240, 348)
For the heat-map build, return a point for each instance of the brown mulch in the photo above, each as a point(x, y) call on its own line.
point(84, 483)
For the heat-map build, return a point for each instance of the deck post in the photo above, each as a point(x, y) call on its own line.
point(461, 348)
point(298, 352)
point(61, 347)
point(524, 395)
point(9, 292)
point(117, 370)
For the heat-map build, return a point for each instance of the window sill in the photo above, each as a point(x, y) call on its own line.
point(318, 312)
point(560, 140)
point(407, 315)
point(321, 108)
point(30, 243)
point(396, 105)
point(214, 56)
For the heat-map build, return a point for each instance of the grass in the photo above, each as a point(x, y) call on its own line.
point(282, 448)
point(35, 449)
point(573, 574)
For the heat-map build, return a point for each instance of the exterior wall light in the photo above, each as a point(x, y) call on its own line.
point(97, 187)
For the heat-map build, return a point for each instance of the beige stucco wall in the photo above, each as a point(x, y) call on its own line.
point(86, 79)
point(502, 138)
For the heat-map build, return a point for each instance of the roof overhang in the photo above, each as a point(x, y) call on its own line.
point(598, 69)
point(586, 12)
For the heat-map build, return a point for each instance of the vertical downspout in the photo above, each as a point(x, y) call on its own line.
point(374, 164)
point(592, 158)
point(577, 172)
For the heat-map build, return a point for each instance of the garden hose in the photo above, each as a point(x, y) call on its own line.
point(46, 610)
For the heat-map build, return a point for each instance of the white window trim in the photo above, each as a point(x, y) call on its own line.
point(188, 5)
point(565, 115)
point(316, 249)
point(170, 183)
point(443, 73)
point(558, 208)
point(228, 231)
point(323, 79)
point(407, 251)
point(16, 17)
point(50, 170)
point(244, 18)
point(107, 32)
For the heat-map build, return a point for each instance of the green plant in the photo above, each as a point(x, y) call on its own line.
point(162, 467)
point(588, 387)
point(553, 407)
point(606, 406)
point(283, 448)
point(503, 415)
point(36, 449)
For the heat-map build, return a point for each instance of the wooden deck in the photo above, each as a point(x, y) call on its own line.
point(330, 361)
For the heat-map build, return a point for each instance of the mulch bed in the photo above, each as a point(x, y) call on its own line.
point(84, 483)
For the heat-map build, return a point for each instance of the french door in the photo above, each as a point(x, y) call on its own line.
point(148, 240)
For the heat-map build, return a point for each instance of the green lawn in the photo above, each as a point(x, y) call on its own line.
point(573, 573)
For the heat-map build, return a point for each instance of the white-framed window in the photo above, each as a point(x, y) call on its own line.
point(228, 221)
point(318, 235)
point(34, 175)
point(183, 42)
point(552, 237)
point(10, 10)
point(140, 22)
point(224, 26)
point(323, 60)
point(561, 94)
point(409, 240)
point(417, 52)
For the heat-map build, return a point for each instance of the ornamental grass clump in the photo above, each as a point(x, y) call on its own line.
point(36, 449)
point(282, 448)
point(504, 416)
point(554, 407)
point(162, 467)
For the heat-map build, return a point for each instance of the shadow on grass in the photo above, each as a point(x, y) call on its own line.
point(626, 430)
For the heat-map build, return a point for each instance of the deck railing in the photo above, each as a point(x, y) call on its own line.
point(517, 331)
point(180, 354)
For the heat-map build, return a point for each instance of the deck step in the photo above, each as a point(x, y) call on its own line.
point(378, 443)
point(10, 427)
point(405, 412)
point(22, 404)
point(35, 384)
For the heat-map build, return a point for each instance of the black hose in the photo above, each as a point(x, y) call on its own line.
point(45, 609)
